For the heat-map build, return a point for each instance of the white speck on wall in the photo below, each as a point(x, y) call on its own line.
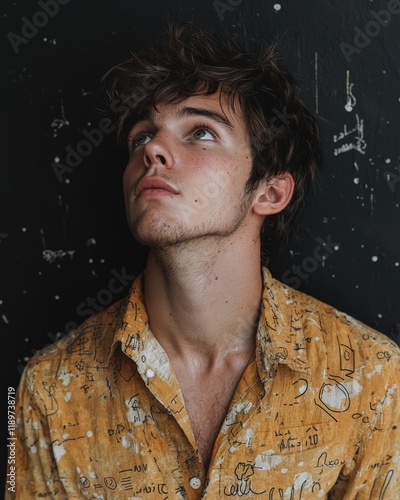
point(67, 396)
point(4, 317)
point(89, 434)
point(284, 470)
point(23, 229)
point(336, 247)
point(56, 159)
point(380, 315)
point(374, 258)
point(388, 160)
point(59, 451)
point(56, 297)
point(91, 241)
point(277, 7)
point(397, 264)
point(33, 448)
point(300, 464)
point(66, 435)
point(356, 180)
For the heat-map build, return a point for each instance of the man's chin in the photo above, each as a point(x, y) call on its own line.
point(158, 235)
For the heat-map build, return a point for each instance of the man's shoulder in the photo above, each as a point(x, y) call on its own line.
point(336, 329)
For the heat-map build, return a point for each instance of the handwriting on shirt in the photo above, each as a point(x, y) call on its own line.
point(291, 439)
point(324, 462)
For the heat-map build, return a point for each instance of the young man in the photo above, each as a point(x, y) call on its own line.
point(211, 379)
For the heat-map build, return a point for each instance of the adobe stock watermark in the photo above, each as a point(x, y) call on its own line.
point(30, 27)
point(221, 7)
point(119, 281)
point(372, 29)
point(294, 276)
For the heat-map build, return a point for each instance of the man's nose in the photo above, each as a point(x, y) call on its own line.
point(158, 152)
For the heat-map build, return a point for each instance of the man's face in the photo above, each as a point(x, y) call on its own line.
point(187, 170)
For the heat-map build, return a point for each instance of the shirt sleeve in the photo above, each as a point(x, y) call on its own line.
point(36, 472)
point(374, 471)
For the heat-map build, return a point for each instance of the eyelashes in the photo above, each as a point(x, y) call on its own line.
point(142, 138)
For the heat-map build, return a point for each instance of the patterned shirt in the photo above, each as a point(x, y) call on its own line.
point(100, 413)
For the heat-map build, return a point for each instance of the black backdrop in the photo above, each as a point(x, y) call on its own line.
point(64, 237)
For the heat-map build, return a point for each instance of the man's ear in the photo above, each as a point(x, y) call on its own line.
point(274, 195)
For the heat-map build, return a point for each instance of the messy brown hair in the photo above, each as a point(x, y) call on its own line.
point(188, 61)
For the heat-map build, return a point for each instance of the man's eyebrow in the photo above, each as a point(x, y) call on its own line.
point(213, 115)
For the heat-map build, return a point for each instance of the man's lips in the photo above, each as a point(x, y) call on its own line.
point(153, 185)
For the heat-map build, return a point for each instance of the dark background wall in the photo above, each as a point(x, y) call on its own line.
point(64, 237)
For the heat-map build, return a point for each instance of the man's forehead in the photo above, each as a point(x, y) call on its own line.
point(214, 106)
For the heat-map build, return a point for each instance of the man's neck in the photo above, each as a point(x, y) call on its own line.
point(203, 299)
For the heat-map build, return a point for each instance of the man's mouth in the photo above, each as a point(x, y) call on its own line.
point(154, 186)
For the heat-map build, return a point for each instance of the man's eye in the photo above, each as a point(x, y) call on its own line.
point(140, 140)
point(203, 134)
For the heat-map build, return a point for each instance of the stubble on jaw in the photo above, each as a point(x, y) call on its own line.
point(160, 235)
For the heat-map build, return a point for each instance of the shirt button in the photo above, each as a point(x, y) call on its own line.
point(195, 483)
point(150, 373)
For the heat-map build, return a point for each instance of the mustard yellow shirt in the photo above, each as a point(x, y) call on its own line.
point(100, 413)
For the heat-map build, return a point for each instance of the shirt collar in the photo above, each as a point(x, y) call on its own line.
point(280, 337)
